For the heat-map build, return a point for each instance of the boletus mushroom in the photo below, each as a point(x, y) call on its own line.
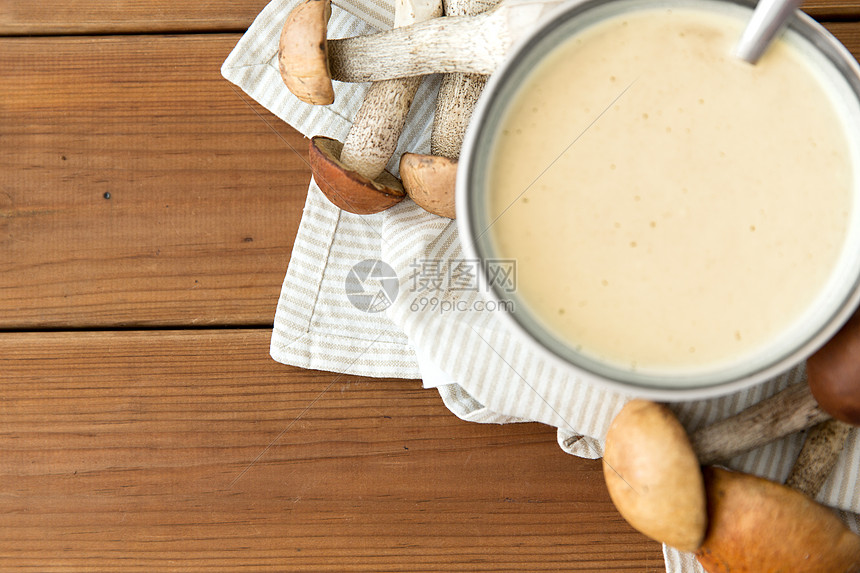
point(303, 52)
point(647, 451)
point(756, 525)
point(834, 378)
point(832, 390)
point(430, 179)
point(759, 526)
point(818, 456)
point(834, 374)
point(347, 188)
point(653, 475)
point(352, 175)
point(453, 44)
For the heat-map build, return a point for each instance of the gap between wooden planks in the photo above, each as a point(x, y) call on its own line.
point(121, 451)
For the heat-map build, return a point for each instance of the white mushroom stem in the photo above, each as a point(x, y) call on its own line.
point(379, 121)
point(458, 92)
point(792, 410)
point(458, 95)
point(467, 44)
point(818, 457)
point(377, 125)
point(430, 180)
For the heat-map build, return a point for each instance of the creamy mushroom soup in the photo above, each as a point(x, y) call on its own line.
point(670, 208)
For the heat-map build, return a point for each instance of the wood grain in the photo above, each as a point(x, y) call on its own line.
point(205, 187)
point(192, 450)
point(832, 9)
point(124, 16)
point(21, 17)
point(138, 187)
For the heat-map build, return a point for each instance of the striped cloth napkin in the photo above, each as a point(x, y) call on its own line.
point(392, 295)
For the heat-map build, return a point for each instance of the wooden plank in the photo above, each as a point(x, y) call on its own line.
point(190, 450)
point(205, 186)
point(138, 187)
point(832, 9)
point(848, 33)
point(21, 17)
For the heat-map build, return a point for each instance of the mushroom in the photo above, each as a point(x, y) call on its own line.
point(786, 412)
point(303, 54)
point(347, 188)
point(467, 44)
point(351, 175)
point(303, 48)
point(734, 522)
point(430, 179)
point(833, 390)
point(653, 476)
point(834, 374)
point(759, 526)
point(652, 471)
point(818, 456)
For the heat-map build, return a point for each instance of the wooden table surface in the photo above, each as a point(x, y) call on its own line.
point(147, 213)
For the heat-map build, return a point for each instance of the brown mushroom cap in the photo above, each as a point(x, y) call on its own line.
point(430, 180)
point(303, 52)
point(834, 374)
point(347, 189)
point(653, 475)
point(759, 526)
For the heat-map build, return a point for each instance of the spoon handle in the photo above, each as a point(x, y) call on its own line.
point(767, 20)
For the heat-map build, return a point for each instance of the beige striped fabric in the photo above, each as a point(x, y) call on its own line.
point(439, 327)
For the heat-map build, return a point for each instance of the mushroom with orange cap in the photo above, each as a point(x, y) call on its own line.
point(759, 526)
point(303, 52)
point(653, 475)
point(351, 174)
point(652, 469)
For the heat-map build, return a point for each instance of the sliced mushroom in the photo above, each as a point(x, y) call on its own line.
point(653, 476)
point(352, 175)
point(759, 526)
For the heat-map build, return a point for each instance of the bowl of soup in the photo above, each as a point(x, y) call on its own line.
point(683, 224)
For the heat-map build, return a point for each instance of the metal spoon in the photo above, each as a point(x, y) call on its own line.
point(767, 20)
